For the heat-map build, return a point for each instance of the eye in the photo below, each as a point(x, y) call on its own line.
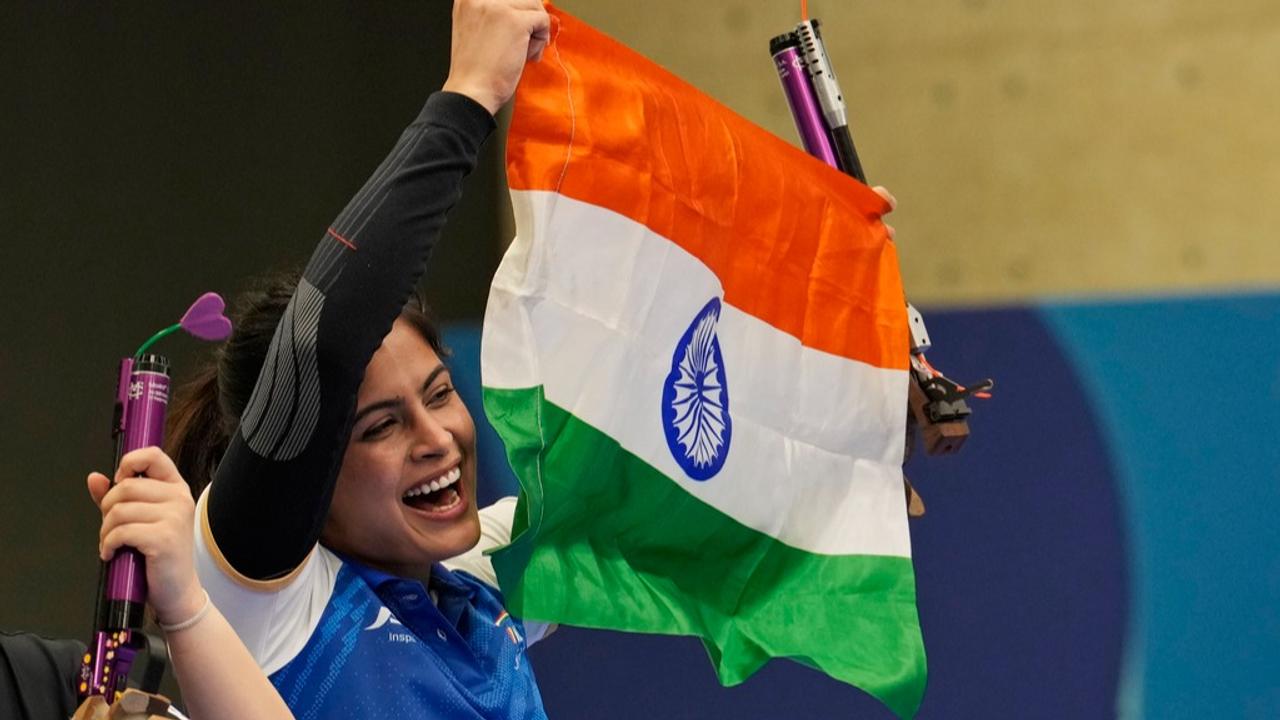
point(439, 396)
point(379, 429)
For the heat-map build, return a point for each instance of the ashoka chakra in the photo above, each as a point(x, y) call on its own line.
point(695, 399)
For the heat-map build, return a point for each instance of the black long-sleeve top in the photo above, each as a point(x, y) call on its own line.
point(272, 490)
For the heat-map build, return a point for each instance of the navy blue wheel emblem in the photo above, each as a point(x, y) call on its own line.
point(695, 399)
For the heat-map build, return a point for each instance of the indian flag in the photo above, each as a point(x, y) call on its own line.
point(696, 354)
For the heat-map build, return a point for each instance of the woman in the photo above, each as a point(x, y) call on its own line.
point(349, 467)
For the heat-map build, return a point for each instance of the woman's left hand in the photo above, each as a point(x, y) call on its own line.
point(883, 192)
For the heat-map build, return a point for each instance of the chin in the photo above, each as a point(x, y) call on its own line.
point(460, 537)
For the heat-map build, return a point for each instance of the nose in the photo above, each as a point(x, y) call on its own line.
point(431, 439)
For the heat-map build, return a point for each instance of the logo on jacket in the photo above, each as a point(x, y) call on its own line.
point(384, 617)
point(512, 633)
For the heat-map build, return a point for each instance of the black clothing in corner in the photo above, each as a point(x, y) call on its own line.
point(37, 677)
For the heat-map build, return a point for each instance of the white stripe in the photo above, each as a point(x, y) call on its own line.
point(376, 185)
point(310, 303)
point(817, 439)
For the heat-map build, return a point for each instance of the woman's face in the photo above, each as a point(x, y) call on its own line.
point(411, 434)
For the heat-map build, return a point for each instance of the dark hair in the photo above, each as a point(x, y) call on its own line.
point(206, 409)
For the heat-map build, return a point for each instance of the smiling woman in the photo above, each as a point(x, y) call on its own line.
point(337, 526)
point(406, 490)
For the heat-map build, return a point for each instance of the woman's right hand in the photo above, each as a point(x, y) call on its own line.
point(492, 40)
point(149, 508)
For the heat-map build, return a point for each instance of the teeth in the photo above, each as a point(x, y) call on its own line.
point(439, 483)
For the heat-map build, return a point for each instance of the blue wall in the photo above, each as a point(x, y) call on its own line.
point(1104, 545)
point(1188, 392)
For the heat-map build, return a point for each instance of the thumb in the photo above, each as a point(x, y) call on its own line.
point(98, 484)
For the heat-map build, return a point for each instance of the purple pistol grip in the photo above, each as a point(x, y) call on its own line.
point(122, 394)
point(804, 105)
point(147, 399)
point(142, 400)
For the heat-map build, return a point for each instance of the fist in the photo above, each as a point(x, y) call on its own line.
point(492, 40)
point(149, 508)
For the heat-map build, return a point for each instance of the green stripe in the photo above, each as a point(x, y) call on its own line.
point(604, 540)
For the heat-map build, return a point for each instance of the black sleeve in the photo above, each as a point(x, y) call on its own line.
point(37, 676)
point(272, 490)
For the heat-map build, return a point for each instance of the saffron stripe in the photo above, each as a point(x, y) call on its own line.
point(793, 241)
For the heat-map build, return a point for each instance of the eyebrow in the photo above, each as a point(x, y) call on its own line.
point(397, 401)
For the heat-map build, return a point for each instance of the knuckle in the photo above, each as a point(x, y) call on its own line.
point(124, 491)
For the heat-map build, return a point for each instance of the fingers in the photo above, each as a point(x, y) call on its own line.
point(883, 192)
point(132, 535)
point(150, 509)
point(492, 41)
point(149, 503)
point(105, 494)
point(146, 490)
point(146, 538)
point(888, 196)
point(167, 522)
point(151, 462)
point(539, 34)
point(98, 484)
point(145, 502)
point(538, 25)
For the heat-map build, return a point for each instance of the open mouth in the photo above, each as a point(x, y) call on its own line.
point(438, 495)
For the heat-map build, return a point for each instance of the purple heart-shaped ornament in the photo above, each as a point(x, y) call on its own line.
point(205, 318)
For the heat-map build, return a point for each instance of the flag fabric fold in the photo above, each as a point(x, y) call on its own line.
point(695, 352)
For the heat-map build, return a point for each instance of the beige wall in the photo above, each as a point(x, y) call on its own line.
point(1038, 149)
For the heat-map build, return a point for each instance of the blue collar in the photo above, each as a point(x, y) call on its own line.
point(442, 579)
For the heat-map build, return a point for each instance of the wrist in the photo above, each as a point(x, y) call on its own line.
point(186, 607)
point(487, 100)
point(195, 618)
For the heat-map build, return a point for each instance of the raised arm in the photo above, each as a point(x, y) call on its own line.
point(271, 492)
